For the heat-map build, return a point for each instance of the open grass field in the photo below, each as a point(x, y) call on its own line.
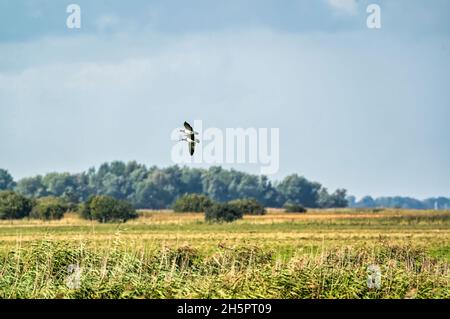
point(320, 254)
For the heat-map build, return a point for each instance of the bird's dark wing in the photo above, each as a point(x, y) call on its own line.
point(191, 148)
point(188, 127)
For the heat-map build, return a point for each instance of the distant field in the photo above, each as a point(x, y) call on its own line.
point(320, 254)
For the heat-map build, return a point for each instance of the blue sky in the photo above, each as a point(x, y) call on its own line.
point(363, 109)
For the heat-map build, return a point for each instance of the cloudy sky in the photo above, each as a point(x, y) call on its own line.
point(363, 109)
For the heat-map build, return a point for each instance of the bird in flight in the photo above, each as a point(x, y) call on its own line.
point(189, 137)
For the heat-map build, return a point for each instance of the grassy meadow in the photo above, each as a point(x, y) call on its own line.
point(320, 254)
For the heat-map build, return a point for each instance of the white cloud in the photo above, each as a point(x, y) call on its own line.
point(344, 6)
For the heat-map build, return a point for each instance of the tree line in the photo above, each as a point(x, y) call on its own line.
point(399, 202)
point(157, 188)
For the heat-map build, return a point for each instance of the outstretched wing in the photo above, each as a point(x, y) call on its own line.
point(191, 148)
point(188, 127)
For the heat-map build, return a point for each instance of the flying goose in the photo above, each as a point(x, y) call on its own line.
point(190, 137)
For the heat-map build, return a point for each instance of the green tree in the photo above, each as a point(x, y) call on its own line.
point(31, 187)
point(216, 183)
point(191, 180)
point(63, 185)
point(336, 200)
point(108, 209)
point(339, 198)
point(6, 180)
point(150, 195)
point(299, 190)
point(48, 208)
point(192, 203)
point(248, 206)
point(222, 213)
point(14, 206)
point(366, 202)
point(159, 188)
point(269, 195)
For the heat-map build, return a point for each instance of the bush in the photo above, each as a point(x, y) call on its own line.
point(14, 206)
point(108, 209)
point(192, 203)
point(222, 213)
point(294, 208)
point(248, 206)
point(48, 208)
